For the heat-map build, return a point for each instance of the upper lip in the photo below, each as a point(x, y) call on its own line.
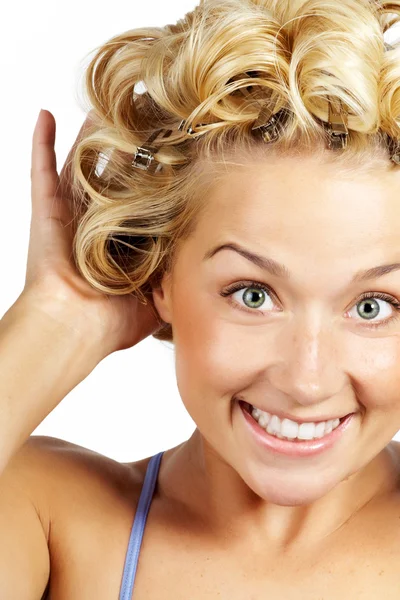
point(310, 419)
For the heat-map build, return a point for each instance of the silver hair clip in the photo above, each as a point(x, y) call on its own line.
point(393, 144)
point(190, 130)
point(337, 125)
point(271, 128)
point(338, 131)
point(270, 124)
point(144, 156)
point(394, 148)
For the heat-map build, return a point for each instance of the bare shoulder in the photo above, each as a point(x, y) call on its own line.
point(65, 475)
point(75, 467)
point(64, 480)
point(87, 503)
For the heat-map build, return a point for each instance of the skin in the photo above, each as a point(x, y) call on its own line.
point(305, 351)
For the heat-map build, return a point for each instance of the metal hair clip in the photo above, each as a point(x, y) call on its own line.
point(394, 148)
point(271, 128)
point(337, 126)
point(271, 124)
point(393, 144)
point(190, 130)
point(338, 131)
point(144, 155)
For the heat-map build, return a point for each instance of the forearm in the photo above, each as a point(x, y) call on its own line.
point(41, 361)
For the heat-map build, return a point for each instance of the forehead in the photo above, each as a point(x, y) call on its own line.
point(304, 203)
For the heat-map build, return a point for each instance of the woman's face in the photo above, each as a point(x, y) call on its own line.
point(299, 347)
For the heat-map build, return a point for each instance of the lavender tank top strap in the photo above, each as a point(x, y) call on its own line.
point(135, 540)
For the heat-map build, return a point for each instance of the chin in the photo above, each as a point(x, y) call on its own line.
point(289, 488)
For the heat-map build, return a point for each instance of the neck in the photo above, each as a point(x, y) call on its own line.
point(215, 494)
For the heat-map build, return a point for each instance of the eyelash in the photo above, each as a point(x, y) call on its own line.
point(242, 285)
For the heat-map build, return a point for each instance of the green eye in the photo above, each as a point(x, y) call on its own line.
point(253, 297)
point(371, 309)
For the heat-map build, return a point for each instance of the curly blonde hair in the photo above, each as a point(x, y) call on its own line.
point(129, 223)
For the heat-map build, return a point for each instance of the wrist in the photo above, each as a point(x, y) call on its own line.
point(65, 319)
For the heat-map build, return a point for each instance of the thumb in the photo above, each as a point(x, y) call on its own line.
point(44, 177)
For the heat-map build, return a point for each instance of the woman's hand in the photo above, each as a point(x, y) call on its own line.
point(52, 281)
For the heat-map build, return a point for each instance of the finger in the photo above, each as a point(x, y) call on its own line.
point(50, 234)
point(44, 177)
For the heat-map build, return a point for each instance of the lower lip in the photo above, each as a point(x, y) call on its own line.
point(304, 448)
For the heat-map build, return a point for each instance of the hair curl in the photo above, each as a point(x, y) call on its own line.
point(129, 223)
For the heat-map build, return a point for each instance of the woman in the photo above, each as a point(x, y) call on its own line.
point(252, 195)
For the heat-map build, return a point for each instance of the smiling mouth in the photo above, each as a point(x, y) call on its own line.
point(249, 408)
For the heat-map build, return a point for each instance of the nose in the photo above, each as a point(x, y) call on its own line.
point(308, 369)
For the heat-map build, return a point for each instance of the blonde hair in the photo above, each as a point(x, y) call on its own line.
point(128, 222)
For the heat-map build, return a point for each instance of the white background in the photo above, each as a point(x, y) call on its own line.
point(129, 407)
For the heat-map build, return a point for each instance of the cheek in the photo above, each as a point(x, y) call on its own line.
point(215, 355)
point(207, 354)
point(376, 372)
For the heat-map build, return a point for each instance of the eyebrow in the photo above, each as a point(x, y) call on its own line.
point(279, 270)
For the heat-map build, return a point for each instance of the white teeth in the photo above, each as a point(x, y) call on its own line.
point(288, 429)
